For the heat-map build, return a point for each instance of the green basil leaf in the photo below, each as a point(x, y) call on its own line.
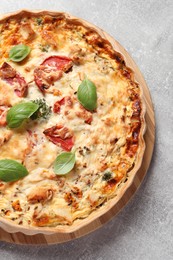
point(11, 170)
point(87, 94)
point(64, 163)
point(18, 113)
point(19, 52)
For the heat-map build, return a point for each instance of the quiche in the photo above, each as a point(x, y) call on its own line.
point(71, 121)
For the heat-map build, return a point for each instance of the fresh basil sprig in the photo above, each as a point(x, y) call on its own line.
point(19, 52)
point(64, 163)
point(18, 113)
point(87, 94)
point(11, 170)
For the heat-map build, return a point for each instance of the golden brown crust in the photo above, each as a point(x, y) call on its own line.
point(135, 141)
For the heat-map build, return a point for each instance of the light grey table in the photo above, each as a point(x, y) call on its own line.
point(144, 229)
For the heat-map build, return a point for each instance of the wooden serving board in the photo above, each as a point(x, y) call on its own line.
point(20, 238)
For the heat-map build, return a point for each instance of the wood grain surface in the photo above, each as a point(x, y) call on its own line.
point(149, 137)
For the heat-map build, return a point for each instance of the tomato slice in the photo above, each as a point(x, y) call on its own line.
point(64, 101)
point(58, 62)
point(57, 105)
point(9, 74)
point(66, 144)
point(22, 87)
point(50, 71)
point(60, 135)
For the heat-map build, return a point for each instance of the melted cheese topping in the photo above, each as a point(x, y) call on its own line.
point(105, 145)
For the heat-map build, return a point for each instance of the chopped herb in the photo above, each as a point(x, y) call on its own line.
point(44, 48)
point(107, 176)
point(43, 111)
point(39, 21)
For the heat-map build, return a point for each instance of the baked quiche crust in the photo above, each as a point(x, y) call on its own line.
point(108, 142)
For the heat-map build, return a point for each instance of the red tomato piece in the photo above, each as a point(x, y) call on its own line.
point(9, 74)
point(58, 62)
point(21, 89)
point(51, 70)
point(60, 135)
point(66, 144)
point(57, 105)
point(64, 101)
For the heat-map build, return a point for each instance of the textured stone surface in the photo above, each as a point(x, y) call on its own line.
point(144, 229)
